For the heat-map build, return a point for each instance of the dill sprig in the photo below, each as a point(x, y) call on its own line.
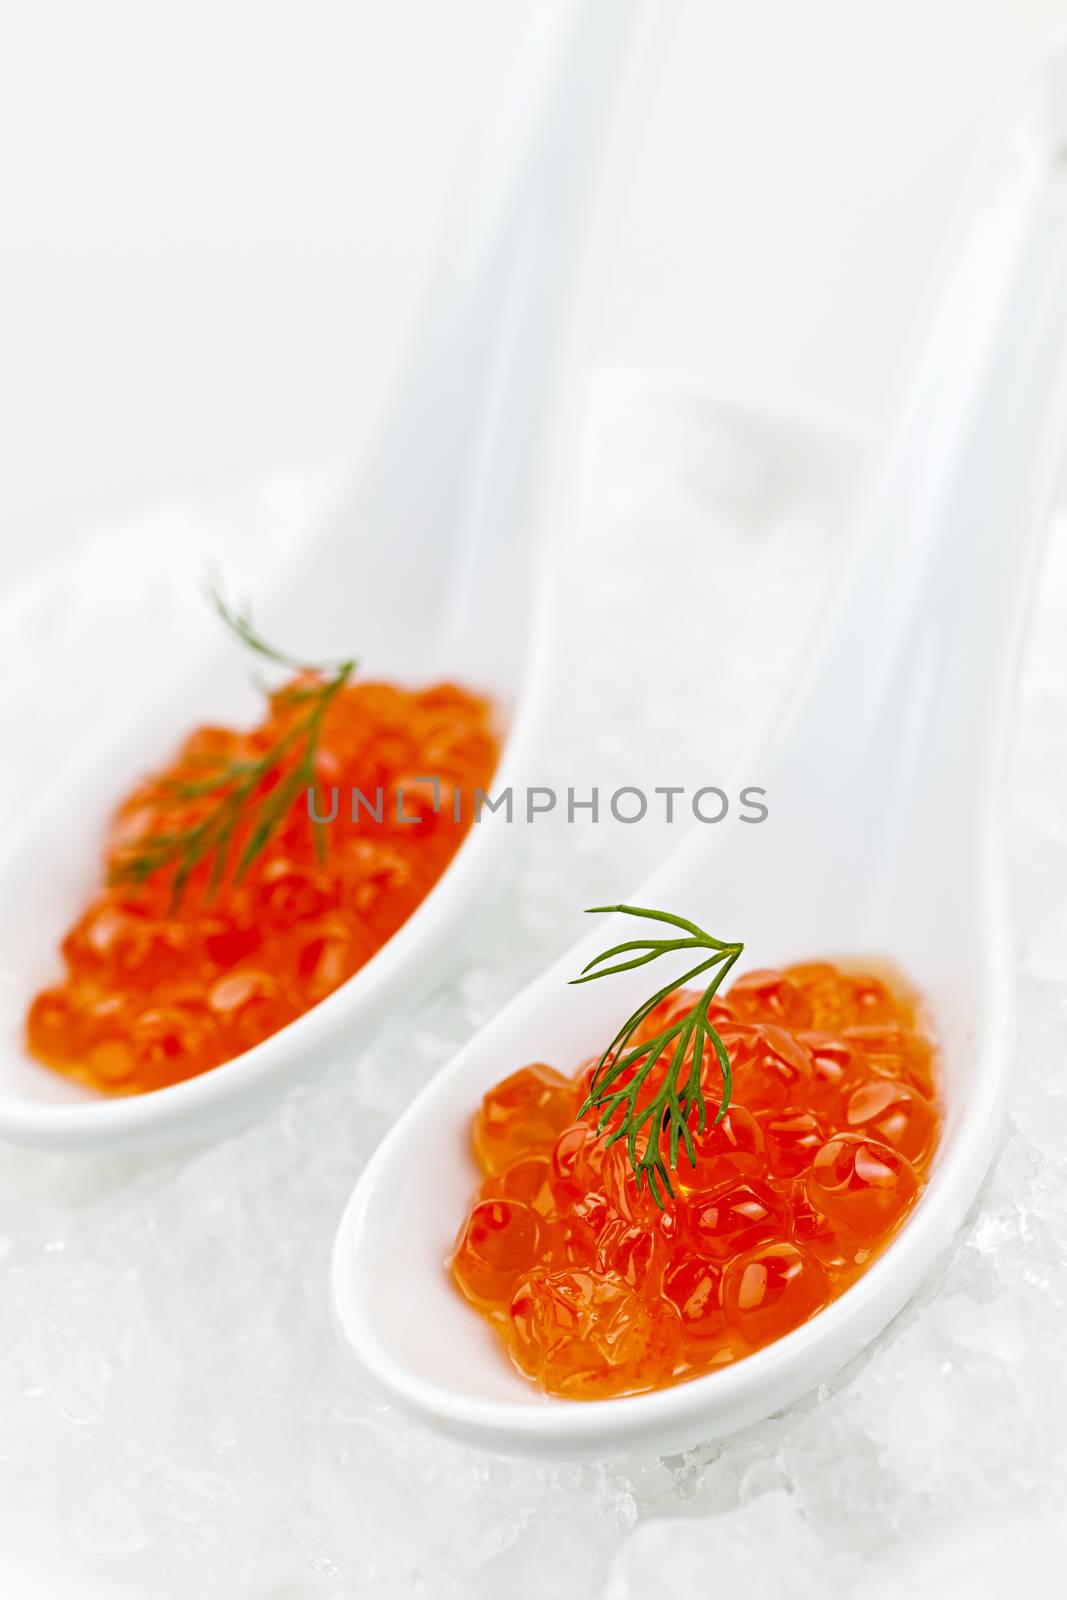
point(667, 1113)
point(237, 784)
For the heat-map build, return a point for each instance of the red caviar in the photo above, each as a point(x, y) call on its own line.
point(822, 1153)
point(157, 991)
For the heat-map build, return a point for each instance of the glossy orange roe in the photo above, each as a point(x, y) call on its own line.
point(154, 993)
point(822, 1153)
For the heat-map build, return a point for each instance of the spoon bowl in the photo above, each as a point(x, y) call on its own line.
point(883, 779)
point(396, 1306)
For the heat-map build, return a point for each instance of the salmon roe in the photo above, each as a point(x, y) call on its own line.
point(821, 1154)
point(155, 992)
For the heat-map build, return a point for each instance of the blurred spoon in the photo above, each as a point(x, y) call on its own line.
point(884, 778)
point(435, 564)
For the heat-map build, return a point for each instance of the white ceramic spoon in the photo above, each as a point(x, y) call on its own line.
point(883, 779)
point(435, 564)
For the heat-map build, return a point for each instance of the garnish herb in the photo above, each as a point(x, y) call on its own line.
point(238, 785)
point(621, 1071)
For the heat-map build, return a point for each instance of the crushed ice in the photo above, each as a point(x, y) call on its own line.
point(177, 1417)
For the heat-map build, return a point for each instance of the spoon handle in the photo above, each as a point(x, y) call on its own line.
point(458, 481)
point(917, 665)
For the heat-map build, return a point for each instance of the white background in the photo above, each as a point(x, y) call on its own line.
point(216, 216)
